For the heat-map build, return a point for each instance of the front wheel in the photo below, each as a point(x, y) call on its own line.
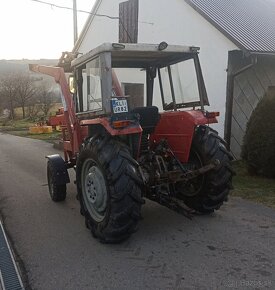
point(109, 189)
point(57, 191)
point(207, 192)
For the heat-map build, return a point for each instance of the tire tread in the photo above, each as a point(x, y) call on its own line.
point(218, 182)
point(124, 190)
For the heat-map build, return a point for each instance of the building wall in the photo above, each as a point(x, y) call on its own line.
point(249, 88)
point(102, 29)
point(175, 23)
point(179, 23)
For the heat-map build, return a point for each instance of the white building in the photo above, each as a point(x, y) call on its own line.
point(237, 40)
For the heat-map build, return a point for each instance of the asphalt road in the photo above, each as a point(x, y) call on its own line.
point(232, 249)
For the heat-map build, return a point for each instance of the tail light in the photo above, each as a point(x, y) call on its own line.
point(121, 124)
point(211, 115)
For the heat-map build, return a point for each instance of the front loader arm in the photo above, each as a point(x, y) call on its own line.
point(72, 123)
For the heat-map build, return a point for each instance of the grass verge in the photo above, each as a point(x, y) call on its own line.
point(21, 128)
point(254, 188)
point(15, 125)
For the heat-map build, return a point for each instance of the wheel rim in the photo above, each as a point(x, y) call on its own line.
point(194, 186)
point(94, 190)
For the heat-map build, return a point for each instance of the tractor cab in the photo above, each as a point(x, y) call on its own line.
point(117, 78)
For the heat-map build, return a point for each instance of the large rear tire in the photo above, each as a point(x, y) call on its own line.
point(109, 189)
point(207, 192)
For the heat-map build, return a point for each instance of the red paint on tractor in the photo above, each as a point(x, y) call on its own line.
point(132, 129)
point(58, 119)
point(73, 139)
point(178, 129)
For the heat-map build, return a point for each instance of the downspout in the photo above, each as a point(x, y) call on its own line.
point(230, 96)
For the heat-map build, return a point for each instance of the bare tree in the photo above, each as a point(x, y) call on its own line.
point(8, 92)
point(26, 91)
point(23, 90)
point(45, 98)
point(33, 109)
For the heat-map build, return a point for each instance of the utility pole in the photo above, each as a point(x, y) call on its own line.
point(75, 21)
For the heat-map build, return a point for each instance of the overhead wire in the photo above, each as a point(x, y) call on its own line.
point(87, 12)
point(78, 10)
point(90, 13)
point(84, 11)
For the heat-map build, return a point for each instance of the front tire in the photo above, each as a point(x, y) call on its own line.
point(109, 189)
point(57, 191)
point(210, 190)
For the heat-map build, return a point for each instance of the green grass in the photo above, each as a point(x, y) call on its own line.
point(254, 188)
point(21, 128)
point(15, 125)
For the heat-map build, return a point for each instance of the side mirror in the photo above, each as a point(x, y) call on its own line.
point(72, 84)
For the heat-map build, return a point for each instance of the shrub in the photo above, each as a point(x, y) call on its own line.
point(258, 149)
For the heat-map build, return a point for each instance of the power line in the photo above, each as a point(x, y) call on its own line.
point(83, 11)
point(78, 10)
point(94, 14)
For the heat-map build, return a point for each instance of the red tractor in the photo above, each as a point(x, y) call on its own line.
point(124, 151)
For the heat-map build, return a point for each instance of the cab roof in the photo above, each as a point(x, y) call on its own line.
point(139, 55)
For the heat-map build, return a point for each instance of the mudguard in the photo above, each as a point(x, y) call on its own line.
point(134, 128)
point(60, 170)
point(178, 129)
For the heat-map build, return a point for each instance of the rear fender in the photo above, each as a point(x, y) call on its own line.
point(131, 135)
point(104, 122)
point(178, 129)
point(60, 169)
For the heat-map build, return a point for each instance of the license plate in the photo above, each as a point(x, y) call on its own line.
point(119, 106)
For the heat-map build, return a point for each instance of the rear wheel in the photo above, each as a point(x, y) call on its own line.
point(57, 191)
point(109, 189)
point(207, 192)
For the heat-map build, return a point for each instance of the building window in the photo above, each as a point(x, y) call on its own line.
point(135, 94)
